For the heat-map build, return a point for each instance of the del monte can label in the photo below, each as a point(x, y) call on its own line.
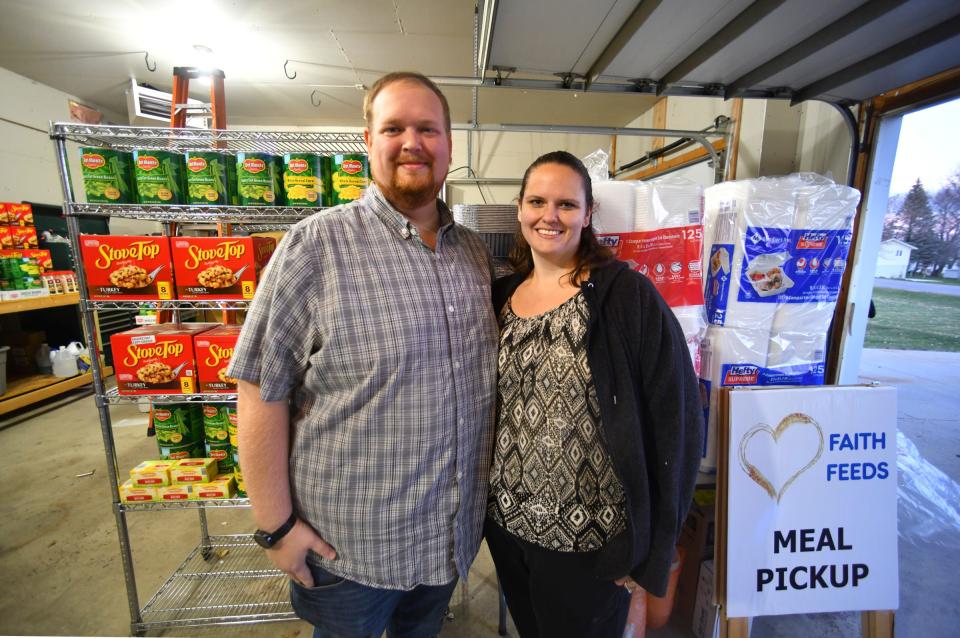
point(93, 160)
point(107, 176)
point(258, 179)
point(303, 182)
point(208, 178)
point(349, 177)
point(160, 177)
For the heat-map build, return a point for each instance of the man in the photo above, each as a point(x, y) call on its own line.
point(367, 368)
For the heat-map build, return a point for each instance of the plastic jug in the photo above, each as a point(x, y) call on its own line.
point(64, 362)
point(44, 365)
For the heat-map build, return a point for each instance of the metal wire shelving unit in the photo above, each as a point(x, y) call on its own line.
point(225, 580)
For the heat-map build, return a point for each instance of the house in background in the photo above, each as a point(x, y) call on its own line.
point(893, 259)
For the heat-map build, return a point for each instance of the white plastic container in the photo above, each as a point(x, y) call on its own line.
point(64, 362)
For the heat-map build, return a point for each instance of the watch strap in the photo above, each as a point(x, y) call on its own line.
point(275, 536)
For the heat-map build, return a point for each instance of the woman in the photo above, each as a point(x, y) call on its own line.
point(599, 423)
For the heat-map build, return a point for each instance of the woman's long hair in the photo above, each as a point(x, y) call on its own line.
point(590, 253)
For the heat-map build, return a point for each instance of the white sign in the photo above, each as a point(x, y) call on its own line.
point(812, 501)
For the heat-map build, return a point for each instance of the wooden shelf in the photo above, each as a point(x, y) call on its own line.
point(38, 303)
point(29, 390)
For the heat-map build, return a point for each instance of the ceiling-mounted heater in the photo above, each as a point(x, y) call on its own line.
point(146, 107)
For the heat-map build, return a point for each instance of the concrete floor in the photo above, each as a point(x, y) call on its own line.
point(61, 572)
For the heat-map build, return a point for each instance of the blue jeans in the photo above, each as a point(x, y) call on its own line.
point(341, 608)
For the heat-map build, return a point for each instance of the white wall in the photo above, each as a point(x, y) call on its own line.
point(26, 151)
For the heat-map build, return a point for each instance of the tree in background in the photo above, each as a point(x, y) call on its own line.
point(915, 224)
point(946, 210)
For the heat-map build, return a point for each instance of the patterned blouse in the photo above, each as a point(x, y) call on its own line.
point(552, 481)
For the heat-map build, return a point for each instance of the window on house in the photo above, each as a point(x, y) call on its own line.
point(899, 252)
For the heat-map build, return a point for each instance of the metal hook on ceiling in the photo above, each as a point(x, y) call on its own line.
point(317, 103)
point(289, 77)
point(146, 60)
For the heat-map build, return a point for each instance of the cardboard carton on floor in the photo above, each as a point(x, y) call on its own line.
point(697, 540)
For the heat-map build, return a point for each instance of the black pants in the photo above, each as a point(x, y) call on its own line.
point(555, 594)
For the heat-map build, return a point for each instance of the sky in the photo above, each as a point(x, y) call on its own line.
point(929, 148)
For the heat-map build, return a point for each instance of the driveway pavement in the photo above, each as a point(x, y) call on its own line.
point(917, 286)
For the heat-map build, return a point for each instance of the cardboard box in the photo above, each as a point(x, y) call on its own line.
point(176, 493)
point(5, 217)
point(44, 261)
point(6, 237)
point(705, 616)
point(156, 359)
point(151, 473)
point(223, 486)
point(219, 267)
point(24, 237)
point(130, 493)
point(213, 351)
point(697, 540)
point(127, 267)
point(22, 358)
point(193, 471)
point(19, 214)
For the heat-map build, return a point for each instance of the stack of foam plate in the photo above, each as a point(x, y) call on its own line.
point(496, 224)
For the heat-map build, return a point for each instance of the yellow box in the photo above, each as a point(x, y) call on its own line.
point(130, 493)
point(193, 471)
point(176, 493)
point(221, 487)
point(151, 473)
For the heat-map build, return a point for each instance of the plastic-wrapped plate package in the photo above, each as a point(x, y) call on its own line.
point(614, 206)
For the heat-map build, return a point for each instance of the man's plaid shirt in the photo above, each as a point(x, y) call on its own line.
point(387, 352)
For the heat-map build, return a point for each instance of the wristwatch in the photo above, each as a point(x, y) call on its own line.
point(267, 540)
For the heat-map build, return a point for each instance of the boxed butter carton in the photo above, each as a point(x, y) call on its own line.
point(219, 267)
point(127, 267)
point(194, 471)
point(151, 473)
point(156, 359)
point(221, 487)
point(176, 493)
point(130, 493)
point(213, 351)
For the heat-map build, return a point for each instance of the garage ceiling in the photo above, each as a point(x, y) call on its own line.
point(598, 63)
point(837, 50)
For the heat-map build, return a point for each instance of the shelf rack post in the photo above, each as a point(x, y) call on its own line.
point(106, 431)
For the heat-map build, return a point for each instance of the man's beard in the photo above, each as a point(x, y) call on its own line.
point(412, 191)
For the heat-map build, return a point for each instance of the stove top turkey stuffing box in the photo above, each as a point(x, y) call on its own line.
point(157, 359)
point(219, 267)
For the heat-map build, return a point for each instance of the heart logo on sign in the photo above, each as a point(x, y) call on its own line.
point(797, 420)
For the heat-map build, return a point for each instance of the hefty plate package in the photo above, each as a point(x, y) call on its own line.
point(157, 359)
point(213, 351)
point(219, 267)
point(125, 268)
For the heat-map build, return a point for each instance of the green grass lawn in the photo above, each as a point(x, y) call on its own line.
point(914, 321)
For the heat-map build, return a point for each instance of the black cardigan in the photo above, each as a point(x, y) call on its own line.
point(651, 414)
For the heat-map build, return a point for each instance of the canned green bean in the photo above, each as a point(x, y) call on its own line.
point(208, 181)
point(215, 423)
point(220, 451)
point(159, 176)
point(238, 475)
point(107, 176)
point(258, 179)
point(175, 425)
